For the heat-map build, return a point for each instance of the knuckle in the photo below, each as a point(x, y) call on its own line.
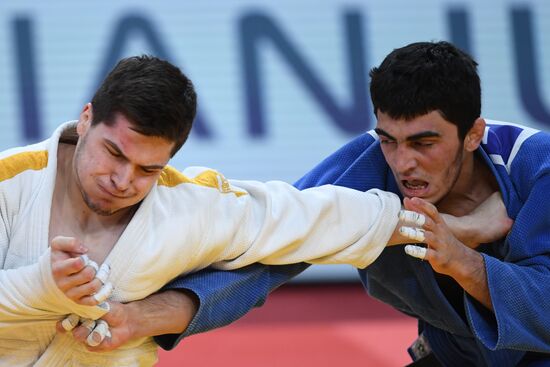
point(88, 301)
point(56, 242)
point(56, 270)
point(88, 273)
point(95, 286)
point(72, 295)
point(76, 264)
point(63, 287)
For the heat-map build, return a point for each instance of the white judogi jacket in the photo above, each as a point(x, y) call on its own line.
point(187, 222)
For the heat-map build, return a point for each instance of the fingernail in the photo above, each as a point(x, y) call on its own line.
point(85, 259)
point(96, 337)
point(416, 251)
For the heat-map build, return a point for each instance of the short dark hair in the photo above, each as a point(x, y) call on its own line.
point(428, 76)
point(157, 98)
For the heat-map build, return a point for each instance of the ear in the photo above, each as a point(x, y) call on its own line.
point(85, 119)
point(475, 135)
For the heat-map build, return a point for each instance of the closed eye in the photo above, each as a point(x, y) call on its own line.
point(423, 143)
point(148, 171)
point(114, 153)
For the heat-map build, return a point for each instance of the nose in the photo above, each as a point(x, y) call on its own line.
point(122, 177)
point(404, 160)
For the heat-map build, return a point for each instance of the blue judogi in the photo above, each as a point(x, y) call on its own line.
point(461, 333)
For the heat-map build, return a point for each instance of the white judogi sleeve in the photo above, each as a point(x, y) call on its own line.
point(274, 223)
point(325, 225)
point(29, 293)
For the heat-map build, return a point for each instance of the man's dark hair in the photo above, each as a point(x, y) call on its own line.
point(154, 95)
point(428, 76)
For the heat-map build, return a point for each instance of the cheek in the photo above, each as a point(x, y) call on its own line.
point(389, 157)
point(143, 185)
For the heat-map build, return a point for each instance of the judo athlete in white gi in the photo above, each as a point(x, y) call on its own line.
point(100, 186)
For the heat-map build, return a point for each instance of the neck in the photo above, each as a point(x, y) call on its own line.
point(73, 203)
point(475, 183)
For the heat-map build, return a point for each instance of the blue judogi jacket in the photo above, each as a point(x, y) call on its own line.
point(518, 266)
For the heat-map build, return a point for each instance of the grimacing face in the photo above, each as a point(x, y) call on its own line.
point(115, 167)
point(425, 154)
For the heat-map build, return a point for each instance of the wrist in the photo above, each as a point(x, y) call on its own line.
point(469, 266)
point(134, 324)
point(167, 312)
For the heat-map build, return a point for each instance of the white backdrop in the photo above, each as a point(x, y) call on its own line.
point(298, 60)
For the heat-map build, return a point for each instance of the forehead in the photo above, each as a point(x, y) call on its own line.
point(144, 149)
point(430, 122)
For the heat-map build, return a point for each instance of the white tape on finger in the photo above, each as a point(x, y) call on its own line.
point(88, 262)
point(70, 322)
point(94, 265)
point(410, 217)
point(416, 234)
point(416, 251)
point(105, 305)
point(88, 324)
point(103, 273)
point(103, 293)
point(100, 332)
point(86, 259)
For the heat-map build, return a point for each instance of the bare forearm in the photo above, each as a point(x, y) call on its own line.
point(487, 223)
point(467, 229)
point(168, 312)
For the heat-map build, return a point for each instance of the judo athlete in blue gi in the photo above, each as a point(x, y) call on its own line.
point(486, 305)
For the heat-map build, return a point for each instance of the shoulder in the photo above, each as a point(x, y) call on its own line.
point(195, 177)
point(364, 149)
point(16, 161)
point(522, 150)
point(508, 144)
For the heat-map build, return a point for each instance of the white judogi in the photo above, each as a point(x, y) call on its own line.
point(187, 222)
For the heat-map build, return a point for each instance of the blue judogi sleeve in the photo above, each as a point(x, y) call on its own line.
point(520, 283)
point(225, 296)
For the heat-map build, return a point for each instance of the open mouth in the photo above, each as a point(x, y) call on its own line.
point(415, 187)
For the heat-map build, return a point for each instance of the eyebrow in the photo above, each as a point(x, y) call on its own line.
point(118, 151)
point(418, 136)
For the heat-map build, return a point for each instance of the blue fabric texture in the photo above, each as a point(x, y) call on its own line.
point(518, 266)
point(226, 296)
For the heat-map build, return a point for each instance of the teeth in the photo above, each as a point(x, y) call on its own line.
point(413, 186)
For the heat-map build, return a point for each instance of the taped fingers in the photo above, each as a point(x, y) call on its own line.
point(105, 306)
point(89, 324)
point(70, 322)
point(103, 293)
point(103, 273)
point(410, 217)
point(416, 251)
point(98, 334)
point(88, 262)
point(416, 234)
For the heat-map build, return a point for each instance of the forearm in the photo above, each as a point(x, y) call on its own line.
point(487, 223)
point(166, 312)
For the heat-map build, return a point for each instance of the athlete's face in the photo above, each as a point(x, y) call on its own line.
point(425, 154)
point(115, 166)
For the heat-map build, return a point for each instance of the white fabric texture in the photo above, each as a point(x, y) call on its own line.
point(180, 227)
